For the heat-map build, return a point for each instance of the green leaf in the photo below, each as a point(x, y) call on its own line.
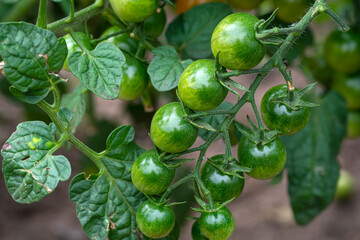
point(100, 70)
point(31, 96)
point(312, 164)
point(166, 68)
point(202, 124)
point(215, 120)
point(191, 32)
point(107, 202)
point(65, 114)
point(31, 171)
point(120, 136)
point(9, 1)
point(76, 103)
point(30, 53)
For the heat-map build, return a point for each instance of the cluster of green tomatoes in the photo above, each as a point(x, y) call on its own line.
point(199, 89)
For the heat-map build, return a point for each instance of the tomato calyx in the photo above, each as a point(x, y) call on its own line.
point(294, 100)
point(162, 202)
point(267, 37)
point(259, 136)
point(228, 166)
point(206, 208)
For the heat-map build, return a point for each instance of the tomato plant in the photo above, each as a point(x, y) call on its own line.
point(266, 161)
point(217, 225)
point(196, 234)
point(199, 88)
point(279, 116)
point(154, 25)
point(134, 11)
point(72, 46)
point(135, 79)
point(349, 87)
point(122, 41)
point(222, 186)
point(234, 40)
point(130, 191)
point(150, 175)
point(291, 10)
point(155, 221)
point(169, 131)
point(344, 46)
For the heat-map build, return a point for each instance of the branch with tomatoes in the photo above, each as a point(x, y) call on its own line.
point(130, 194)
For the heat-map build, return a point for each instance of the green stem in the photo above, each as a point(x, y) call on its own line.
point(42, 15)
point(147, 101)
point(77, 40)
point(95, 41)
point(209, 113)
point(256, 111)
point(239, 72)
point(175, 185)
point(72, 11)
point(79, 17)
point(277, 31)
point(337, 19)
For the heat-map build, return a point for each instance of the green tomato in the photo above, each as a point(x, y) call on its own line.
point(150, 175)
point(342, 51)
point(196, 234)
point(266, 161)
point(134, 11)
point(135, 79)
point(199, 87)
point(174, 234)
point(154, 26)
point(217, 225)
point(169, 131)
point(234, 38)
point(349, 88)
point(291, 10)
point(353, 124)
point(122, 41)
point(222, 187)
point(245, 4)
point(73, 47)
point(155, 221)
point(345, 187)
point(277, 116)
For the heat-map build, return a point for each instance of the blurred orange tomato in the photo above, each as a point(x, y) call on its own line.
point(184, 5)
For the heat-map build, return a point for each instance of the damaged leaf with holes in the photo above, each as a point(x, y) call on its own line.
point(30, 169)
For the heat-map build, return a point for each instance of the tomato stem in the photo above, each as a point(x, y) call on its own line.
point(42, 16)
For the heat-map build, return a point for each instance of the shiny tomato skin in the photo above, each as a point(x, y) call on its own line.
point(169, 131)
point(134, 11)
point(234, 38)
point(123, 41)
point(155, 221)
point(291, 10)
point(277, 116)
point(266, 161)
point(135, 79)
point(73, 47)
point(349, 87)
point(199, 88)
point(222, 187)
point(154, 25)
point(217, 225)
point(245, 4)
point(150, 175)
point(196, 234)
point(342, 51)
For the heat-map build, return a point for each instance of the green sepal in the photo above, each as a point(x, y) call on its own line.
point(263, 24)
point(169, 2)
point(234, 84)
point(232, 168)
point(65, 115)
point(200, 123)
point(174, 163)
point(298, 103)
